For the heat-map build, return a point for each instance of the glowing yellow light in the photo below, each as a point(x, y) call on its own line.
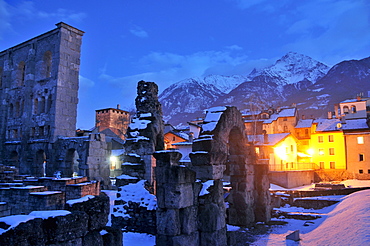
point(310, 151)
point(281, 152)
point(113, 158)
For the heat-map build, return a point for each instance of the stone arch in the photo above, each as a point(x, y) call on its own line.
point(71, 163)
point(47, 62)
point(11, 110)
point(21, 73)
point(14, 159)
point(39, 164)
point(222, 151)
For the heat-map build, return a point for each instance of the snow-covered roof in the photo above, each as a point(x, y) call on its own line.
point(304, 123)
point(180, 134)
point(272, 139)
point(182, 143)
point(117, 152)
point(355, 100)
point(332, 125)
point(286, 112)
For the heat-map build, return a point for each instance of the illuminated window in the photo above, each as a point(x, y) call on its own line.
point(361, 157)
point(331, 138)
point(321, 139)
point(331, 151)
point(257, 149)
point(322, 165)
point(345, 109)
point(321, 151)
point(332, 165)
point(360, 140)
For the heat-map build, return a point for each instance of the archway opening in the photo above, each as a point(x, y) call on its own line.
point(39, 167)
point(72, 167)
point(14, 159)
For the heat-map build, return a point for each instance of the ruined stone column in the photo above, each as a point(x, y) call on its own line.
point(176, 203)
point(262, 189)
point(145, 132)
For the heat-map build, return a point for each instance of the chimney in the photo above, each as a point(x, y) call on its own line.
point(265, 137)
point(191, 137)
point(336, 111)
point(330, 115)
point(303, 117)
point(118, 106)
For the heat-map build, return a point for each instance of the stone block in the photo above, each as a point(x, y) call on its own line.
point(186, 239)
point(92, 238)
point(215, 238)
point(97, 210)
point(211, 217)
point(64, 228)
point(174, 175)
point(175, 196)
point(168, 222)
point(113, 237)
point(167, 158)
point(200, 158)
point(208, 172)
point(188, 220)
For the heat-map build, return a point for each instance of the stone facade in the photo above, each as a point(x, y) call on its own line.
point(39, 82)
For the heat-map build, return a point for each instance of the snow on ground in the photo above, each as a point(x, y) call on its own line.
point(138, 239)
point(345, 223)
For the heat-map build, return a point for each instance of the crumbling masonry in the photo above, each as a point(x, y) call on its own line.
point(190, 199)
point(39, 81)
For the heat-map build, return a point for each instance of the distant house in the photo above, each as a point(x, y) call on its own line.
point(279, 149)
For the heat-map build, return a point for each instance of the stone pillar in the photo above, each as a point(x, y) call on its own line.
point(212, 216)
point(262, 189)
point(241, 198)
point(176, 204)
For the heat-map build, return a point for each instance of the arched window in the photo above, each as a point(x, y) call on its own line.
point(17, 109)
point(11, 110)
point(42, 105)
point(345, 110)
point(47, 64)
point(21, 73)
point(353, 109)
point(35, 106)
point(48, 104)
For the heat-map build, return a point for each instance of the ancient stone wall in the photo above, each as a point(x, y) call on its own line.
point(38, 90)
point(85, 226)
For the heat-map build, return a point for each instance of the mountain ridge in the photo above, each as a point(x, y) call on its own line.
point(294, 78)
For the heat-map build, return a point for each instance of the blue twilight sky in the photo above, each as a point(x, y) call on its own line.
point(166, 41)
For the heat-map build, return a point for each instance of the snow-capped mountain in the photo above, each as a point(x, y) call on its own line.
point(293, 68)
point(344, 80)
point(294, 78)
point(193, 95)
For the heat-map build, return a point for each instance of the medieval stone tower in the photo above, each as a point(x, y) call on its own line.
point(38, 92)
